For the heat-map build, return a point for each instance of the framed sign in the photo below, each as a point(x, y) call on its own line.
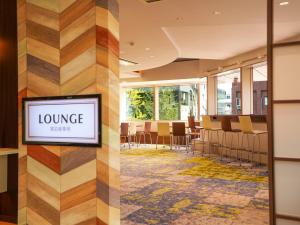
point(62, 120)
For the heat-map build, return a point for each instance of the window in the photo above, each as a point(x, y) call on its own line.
point(203, 96)
point(260, 89)
point(169, 103)
point(229, 93)
point(140, 103)
point(178, 102)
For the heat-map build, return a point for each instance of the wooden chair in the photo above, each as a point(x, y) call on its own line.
point(163, 130)
point(179, 134)
point(125, 132)
point(247, 130)
point(145, 132)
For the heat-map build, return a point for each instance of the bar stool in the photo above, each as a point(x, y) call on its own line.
point(163, 130)
point(210, 130)
point(227, 129)
point(179, 134)
point(145, 132)
point(247, 129)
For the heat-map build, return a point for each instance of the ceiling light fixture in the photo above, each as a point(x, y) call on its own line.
point(152, 56)
point(284, 3)
point(217, 13)
point(147, 49)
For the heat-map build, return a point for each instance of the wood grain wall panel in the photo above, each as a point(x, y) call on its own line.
point(78, 46)
point(44, 16)
point(43, 51)
point(78, 27)
point(70, 14)
point(45, 157)
point(52, 5)
point(43, 69)
point(43, 34)
point(108, 205)
point(42, 208)
point(77, 65)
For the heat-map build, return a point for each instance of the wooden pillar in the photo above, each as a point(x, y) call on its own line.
point(71, 48)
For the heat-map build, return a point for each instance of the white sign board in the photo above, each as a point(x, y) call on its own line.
point(71, 120)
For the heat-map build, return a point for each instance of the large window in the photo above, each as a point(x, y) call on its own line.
point(178, 102)
point(229, 93)
point(203, 96)
point(140, 103)
point(260, 89)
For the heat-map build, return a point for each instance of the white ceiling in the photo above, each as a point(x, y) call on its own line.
point(190, 29)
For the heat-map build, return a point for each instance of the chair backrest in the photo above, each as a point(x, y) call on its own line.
point(191, 120)
point(226, 123)
point(147, 127)
point(124, 129)
point(178, 128)
point(163, 129)
point(206, 122)
point(246, 124)
point(132, 128)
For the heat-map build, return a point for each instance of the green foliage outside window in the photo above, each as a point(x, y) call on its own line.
point(140, 103)
point(169, 108)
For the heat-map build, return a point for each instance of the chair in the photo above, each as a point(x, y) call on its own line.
point(210, 130)
point(227, 129)
point(125, 132)
point(146, 131)
point(179, 134)
point(247, 129)
point(163, 130)
point(192, 126)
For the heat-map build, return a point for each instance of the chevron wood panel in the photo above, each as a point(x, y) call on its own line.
point(70, 47)
point(108, 186)
point(22, 92)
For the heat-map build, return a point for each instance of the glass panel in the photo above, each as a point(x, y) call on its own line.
point(260, 89)
point(203, 96)
point(287, 186)
point(229, 93)
point(287, 222)
point(286, 127)
point(286, 69)
point(140, 103)
point(169, 107)
point(188, 101)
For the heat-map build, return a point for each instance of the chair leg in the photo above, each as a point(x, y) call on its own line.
point(150, 138)
point(259, 150)
point(253, 149)
point(156, 141)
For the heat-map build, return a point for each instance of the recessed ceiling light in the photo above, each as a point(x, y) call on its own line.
point(217, 13)
point(284, 3)
point(147, 49)
point(152, 56)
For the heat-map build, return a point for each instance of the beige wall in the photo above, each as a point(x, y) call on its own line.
point(200, 68)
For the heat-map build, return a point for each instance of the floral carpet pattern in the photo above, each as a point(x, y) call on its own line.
point(172, 187)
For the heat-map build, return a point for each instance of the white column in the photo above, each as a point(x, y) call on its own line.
point(156, 103)
point(247, 89)
point(211, 96)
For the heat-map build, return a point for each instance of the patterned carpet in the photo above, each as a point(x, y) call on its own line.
point(168, 187)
